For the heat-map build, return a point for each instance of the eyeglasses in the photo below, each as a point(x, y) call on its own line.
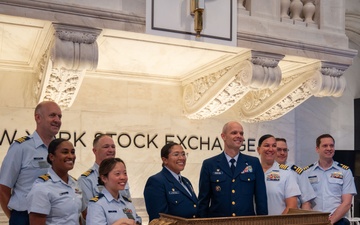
point(178, 154)
point(282, 149)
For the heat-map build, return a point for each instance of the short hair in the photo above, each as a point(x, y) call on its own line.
point(263, 138)
point(106, 166)
point(98, 137)
point(318, 139)
point(281, 139)
point(53, 146)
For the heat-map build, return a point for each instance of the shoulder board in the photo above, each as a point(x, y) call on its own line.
point(345, 167)
point(297, 169)
point(96, 198)
point(45, 177)
point(22, 139)
point(127, 199)
point(283, 166)
point(307, 167)
point(87, 173)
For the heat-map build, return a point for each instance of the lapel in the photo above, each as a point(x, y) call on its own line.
point(190, 188)
point(241, 164)
point(171, 179)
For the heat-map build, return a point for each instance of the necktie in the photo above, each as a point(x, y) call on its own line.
point(180, 179)
point(232, 165)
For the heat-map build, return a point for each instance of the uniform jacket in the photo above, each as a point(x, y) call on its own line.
point(223, 194)
point(164, 194)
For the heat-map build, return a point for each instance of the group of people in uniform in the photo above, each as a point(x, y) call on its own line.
point(36, 188)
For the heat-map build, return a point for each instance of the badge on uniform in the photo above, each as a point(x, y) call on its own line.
point(128, 213)
point(248, 169)
point(218, 188)
point(313, 179)
point(173, 192)
point(273, 176)
point(217, 172)
point(337, 175)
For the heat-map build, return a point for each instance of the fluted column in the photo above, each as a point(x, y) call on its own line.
point(73, 51)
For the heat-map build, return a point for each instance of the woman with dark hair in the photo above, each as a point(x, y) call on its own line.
point(110, 207)
point(281, 187)
point(167, 191)
point(55, 197)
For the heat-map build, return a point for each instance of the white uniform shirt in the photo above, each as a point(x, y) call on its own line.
point(280, 184)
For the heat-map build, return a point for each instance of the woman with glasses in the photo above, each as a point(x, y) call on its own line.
point(281, 187)
point(167, 191)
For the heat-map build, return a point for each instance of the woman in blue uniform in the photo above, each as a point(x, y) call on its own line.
point(55, 197)
point(281, 187)
point(111, 208)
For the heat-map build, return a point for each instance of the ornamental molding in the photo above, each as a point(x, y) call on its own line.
point(71, 53)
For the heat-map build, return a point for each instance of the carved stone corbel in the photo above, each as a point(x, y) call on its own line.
point(214, 93)
point(73, 51)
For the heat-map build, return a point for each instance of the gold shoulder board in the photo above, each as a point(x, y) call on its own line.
point(45, 177)
point(345, 167)
point(22, 139)
point(87, 173)
point(95, 199)
point(307, 167)
point(283, 166)
point(297, 169)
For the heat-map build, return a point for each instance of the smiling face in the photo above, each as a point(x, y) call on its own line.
point(233, 136)
point(116, 179)
point(48, 118)
point(326, 148)
point(63, 158)
point(176, 160)
point(104, 149)
point(267, 150)
point(281, 152)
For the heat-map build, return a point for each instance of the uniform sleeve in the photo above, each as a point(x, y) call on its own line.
point(349, 183)
point(155, 198)
point(291, 187)
point(11, 166)
point(204, 191)
point(307, 192)
point(86, 188)
point(39, 199)
point(95, 214)
point(260, 190)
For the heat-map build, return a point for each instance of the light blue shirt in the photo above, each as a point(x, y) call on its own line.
point(23, 163)
point(307, 192)
point(90, 187)
point(59, 201)
point(107, 210)
point(329, 185)
point(280, 185)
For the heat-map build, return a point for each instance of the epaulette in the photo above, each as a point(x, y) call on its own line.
point(96, 198)
point(87, 173)
point(22, 139)
point(345, 167)
point(127, 199)
point(307, 167)
point(297, 169)
point(45, 177)
point(283, 166)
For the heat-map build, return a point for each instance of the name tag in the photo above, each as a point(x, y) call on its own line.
point(112, 211)
point(313, 179)
point(64, 193)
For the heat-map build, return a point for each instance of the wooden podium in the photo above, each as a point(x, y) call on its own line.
point(294, 217)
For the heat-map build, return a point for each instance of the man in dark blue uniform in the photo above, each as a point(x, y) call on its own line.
point(231, 182)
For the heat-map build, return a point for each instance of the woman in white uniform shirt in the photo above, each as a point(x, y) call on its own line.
point(281, 187)
point(55, 197)
point(111, 208)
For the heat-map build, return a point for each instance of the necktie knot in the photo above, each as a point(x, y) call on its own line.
point(232, 161)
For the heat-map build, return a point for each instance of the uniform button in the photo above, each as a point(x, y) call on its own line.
point(194, 205)
point(194, 216)
point(233, 191)
point(233, 180)
point(233, 202)
point(217, 180)
point(233, 214)
point(175, 201)
point(248, 179)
